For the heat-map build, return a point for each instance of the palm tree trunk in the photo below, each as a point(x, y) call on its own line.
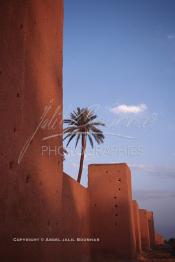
point(83, 148)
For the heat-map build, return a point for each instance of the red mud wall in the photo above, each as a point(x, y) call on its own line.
point(159, 239)
point(137, 226)
point(111, 210)
point(30, 77)
point(75, 213)
point(151, 228)
point(144, 229)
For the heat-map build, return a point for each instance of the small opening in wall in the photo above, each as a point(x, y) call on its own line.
point(27, 179)
point(95, 205)
point(119, 179)
point(116, 215)
point(14, 130)
point(106, 172)
point(21, 26)
point(119, 189)
point(11, 164)
point(115, 197)
point(116, 205)
point(18, 95)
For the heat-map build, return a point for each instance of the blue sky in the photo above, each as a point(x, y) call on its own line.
point(119, 59)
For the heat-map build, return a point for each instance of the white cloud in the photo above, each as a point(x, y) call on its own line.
point(152, 194)
point(162, 171)
point(171, 36)
point(134, 109)
point(74, 165)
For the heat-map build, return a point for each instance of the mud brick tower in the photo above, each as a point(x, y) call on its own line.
point(31, 91)
point(151, 228)
point(111, 212)
point(137, 226)
point(145, 238)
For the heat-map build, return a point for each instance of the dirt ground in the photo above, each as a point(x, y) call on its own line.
point(160, 254)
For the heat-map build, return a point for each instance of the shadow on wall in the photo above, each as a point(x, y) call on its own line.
point(31, 65)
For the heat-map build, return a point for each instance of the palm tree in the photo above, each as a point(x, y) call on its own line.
point(82, 124)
